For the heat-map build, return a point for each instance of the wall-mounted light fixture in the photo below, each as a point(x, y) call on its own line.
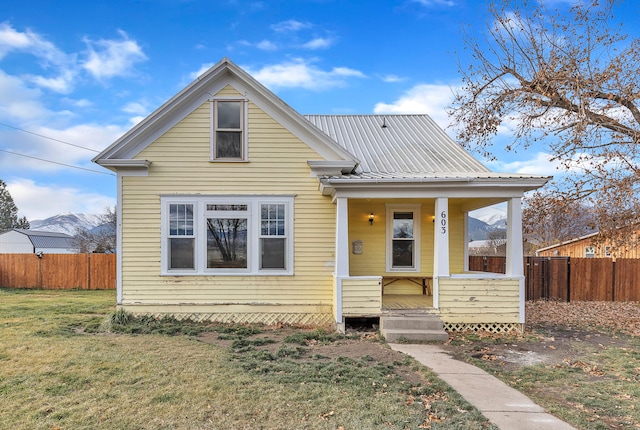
point(371, 219)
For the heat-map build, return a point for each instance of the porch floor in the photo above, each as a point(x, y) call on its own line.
point(406, 301)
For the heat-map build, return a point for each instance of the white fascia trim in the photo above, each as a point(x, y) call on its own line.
point(117, 164)
point(330, 168)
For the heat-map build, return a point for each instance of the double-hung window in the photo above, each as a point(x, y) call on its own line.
point(217, 235)
point(228, 130)
point(181, 237)
point(403, 238)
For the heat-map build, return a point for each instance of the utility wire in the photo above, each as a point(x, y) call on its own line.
point(55, 162)
point(47, 137)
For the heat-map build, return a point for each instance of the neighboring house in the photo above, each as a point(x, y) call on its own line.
point(20, 241)
point(488, 247)
point(588, 246)
point(233, 207)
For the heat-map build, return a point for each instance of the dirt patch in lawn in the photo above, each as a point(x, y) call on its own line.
point(556, 333)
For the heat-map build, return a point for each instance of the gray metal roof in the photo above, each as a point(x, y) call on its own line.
point(400, 146)
point(47, 239)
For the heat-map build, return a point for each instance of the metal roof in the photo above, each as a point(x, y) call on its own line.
point(399, 145)
point(47, 239)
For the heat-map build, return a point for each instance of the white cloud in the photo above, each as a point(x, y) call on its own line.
point(318, 43)
point(111, 58)
point(429, 99)
point(18, 102)
point(11, 39)
point(392, 78)
point(29, 197)
point(136, 108)
point(51, 57)
point(429, 3)
point(194, 75)
point(290, 26)
point(266, 45)
point(299, 73)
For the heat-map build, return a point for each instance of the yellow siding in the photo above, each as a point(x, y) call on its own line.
point(479, 300)
point(180, 164)
point(361, 296)
point(372, 261)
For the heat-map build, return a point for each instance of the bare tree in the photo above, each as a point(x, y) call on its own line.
point(101, 239)
point(567, 78)
point(548, 220)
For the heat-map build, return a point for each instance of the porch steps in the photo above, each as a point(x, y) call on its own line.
point(422, 327)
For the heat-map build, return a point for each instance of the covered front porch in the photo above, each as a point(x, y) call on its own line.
point(411, 254)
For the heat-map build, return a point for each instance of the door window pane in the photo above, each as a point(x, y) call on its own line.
point(403, 240)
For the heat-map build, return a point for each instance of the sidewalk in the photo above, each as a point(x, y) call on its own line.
point(506, 407)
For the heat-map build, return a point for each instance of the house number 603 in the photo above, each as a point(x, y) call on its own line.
point(443, 222)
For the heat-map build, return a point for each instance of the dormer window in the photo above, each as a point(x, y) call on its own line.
point(228, 130)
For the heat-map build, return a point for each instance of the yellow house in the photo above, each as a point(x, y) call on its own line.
point(233, 207)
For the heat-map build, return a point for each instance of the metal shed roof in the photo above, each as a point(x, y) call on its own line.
point(47, 239)
point(399, 145)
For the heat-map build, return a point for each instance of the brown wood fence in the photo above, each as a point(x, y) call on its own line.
point(58, 271)
point(573, 279)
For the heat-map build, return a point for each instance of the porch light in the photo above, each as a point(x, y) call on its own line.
point(371, 219)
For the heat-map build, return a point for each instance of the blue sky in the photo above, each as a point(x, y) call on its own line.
point(75, 75)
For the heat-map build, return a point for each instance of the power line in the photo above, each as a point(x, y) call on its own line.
point(56, 162)
point(47, 137)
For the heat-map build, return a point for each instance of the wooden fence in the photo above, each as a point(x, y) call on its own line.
point(573, 279)
point(58, 271)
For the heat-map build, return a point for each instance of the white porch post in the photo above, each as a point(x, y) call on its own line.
point(515, 263)
point(514, 238)
point(341, 254)
point(440, 245)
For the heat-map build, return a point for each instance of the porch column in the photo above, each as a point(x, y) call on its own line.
point(514, 263)
point(342, 237)
point(440, 245)
point(341, 269)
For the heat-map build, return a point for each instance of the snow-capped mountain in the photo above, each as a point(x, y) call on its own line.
point(67, 223)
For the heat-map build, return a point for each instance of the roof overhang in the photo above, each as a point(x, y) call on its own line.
point(128, 164)
point(460, 187)
point(331, 168)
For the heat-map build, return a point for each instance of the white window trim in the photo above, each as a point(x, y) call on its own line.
point(243, 126)
point(589, 252)
point(253, 232)
point(417, 221)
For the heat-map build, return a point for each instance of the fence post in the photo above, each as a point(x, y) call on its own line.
point(568, 279)
point(613, 281)
point(88, 270)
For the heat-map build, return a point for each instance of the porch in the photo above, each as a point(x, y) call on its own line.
point(392, 302)
point(417, 249)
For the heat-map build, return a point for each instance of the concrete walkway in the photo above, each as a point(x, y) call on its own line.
point(504, 406)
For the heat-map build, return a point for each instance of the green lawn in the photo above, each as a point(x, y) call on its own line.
point(62, 366)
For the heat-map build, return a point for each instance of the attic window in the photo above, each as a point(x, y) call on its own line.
point(228, 130)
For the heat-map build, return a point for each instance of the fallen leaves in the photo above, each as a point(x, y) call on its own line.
point(618, 316)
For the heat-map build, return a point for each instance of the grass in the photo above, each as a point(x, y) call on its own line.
point(594, 387)
point(68, 361)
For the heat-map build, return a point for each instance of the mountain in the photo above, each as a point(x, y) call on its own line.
point(67, 223)
point(479, 230)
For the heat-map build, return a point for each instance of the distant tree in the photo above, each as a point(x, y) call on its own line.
point(101, 239)
point(567, 78)
point(498, 241)
point(548, 220)
point(9, 211)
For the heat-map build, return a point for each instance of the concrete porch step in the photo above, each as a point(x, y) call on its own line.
point(417, 327)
